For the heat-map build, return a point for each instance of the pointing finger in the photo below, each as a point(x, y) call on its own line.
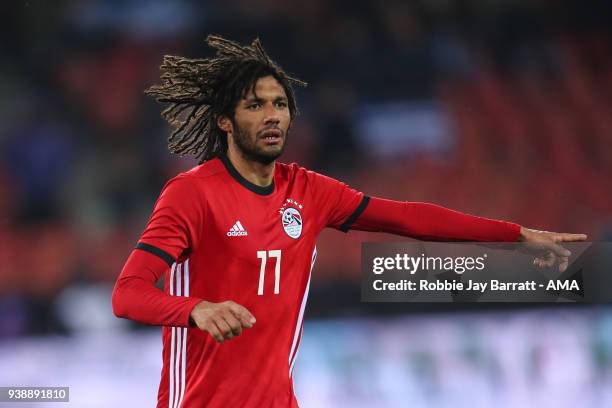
point(572, 237)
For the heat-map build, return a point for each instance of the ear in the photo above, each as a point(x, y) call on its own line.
point(225, 124)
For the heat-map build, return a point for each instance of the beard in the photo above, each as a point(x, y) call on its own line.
point(247, 145)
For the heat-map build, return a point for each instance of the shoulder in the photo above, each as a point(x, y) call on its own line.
point(199, 176)
point(295, 172)
point(184, 187)
point(208, 169)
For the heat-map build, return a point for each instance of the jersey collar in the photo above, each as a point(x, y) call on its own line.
point(267, 190)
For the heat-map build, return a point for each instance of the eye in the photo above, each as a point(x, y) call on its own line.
point(253, 106)
point(281, 104)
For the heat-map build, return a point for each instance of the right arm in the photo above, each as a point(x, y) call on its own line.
point(136, 297)
point(173, 229)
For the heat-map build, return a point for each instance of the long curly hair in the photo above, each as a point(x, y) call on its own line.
point(201, 90)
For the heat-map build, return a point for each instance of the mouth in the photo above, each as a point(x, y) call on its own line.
point(271, 136)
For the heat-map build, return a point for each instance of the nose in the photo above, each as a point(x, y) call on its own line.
point(272, 117)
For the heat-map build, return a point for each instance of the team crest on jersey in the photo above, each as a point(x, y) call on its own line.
point(291, 218)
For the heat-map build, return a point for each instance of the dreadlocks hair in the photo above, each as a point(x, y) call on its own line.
point(201, 90)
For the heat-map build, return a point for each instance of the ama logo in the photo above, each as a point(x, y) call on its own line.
point(292, 222)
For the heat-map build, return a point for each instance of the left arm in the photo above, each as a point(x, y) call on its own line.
point(436, 223)
point(345, 208)
point(432, 222)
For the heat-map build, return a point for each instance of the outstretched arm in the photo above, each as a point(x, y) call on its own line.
point(345, 208)
point(432, 222)
point(436, 223)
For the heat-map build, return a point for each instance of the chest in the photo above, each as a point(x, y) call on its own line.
point(246, 223)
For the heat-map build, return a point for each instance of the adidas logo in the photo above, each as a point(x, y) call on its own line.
point(237, 230)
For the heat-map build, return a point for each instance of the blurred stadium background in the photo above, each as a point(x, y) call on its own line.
point(496, 107)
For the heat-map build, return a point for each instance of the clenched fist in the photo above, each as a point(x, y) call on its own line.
point(222, 320)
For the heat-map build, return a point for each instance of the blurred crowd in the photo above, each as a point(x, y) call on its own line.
point(499, 108)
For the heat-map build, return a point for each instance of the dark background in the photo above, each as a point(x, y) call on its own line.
point(501, 108)
point(498, 108)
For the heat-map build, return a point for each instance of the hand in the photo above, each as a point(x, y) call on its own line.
point(222, 320)
point(545, 244)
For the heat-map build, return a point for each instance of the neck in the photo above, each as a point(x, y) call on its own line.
point(257, 173)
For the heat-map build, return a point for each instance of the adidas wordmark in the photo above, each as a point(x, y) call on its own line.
point(237, 230)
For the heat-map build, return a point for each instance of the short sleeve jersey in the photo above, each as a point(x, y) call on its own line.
point(225, 238)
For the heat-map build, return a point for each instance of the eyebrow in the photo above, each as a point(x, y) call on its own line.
point(253, 99)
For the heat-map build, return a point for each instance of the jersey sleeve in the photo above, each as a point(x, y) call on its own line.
point(136, 297)
point(432, 222)
point(173, 230)
point(339, 204)
point(175, 224)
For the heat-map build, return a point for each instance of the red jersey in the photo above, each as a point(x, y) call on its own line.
point(225, 238)
point(218, 237)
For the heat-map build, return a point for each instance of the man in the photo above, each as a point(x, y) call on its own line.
point(235, 235)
